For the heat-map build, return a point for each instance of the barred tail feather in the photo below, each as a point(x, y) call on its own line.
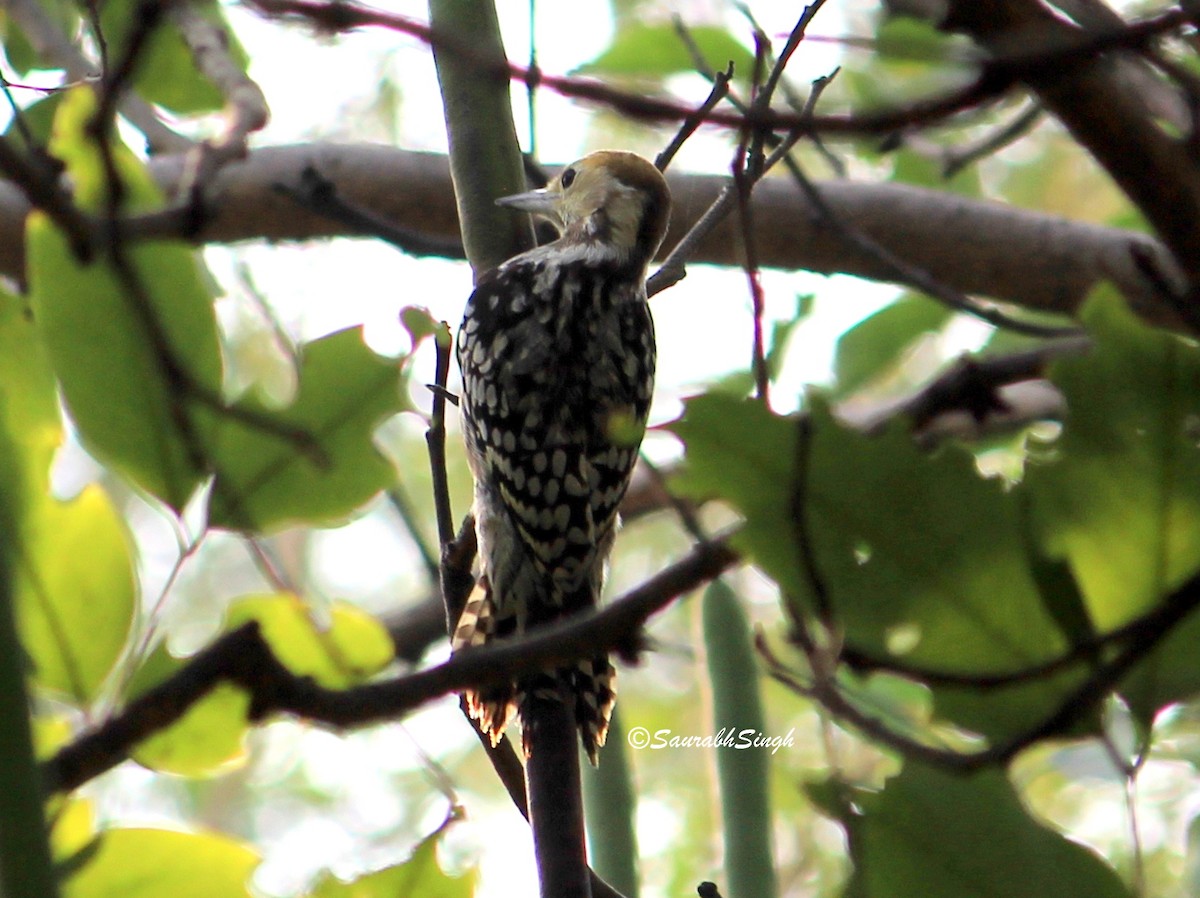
point(477, 622)
point(492, 707)
point(591, 684)
point(595, 687)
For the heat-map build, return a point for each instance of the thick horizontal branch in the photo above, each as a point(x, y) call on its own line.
point(969, 245)
point(243, 657)
point(1154, 167)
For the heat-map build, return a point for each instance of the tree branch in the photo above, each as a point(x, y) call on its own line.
point(243, 657)
point(1084, 90)
point(966, 244)
point(44, 33)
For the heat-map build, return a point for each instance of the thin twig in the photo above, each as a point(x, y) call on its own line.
point(435, 439)
point(147, 17)
point(683, 509)
point(801, 534)
point(995, 77)
point(404, 510)
point(246, 109)
point(46, 35)
point(720, 87)
point(18, 117)
point(747, 168)
point(43, 191)
point(243, 657)
point(93, 14)
point(1143, 636)
point(760, 105)
point(674, 267)
point(753, 277)
point(958, 158)
point(531, 84)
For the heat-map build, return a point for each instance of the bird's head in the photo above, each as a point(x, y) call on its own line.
point(615, 200)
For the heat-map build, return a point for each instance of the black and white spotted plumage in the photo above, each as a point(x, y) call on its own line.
point(558, 358)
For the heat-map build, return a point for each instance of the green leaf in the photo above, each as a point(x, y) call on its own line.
point(264, 480)
point(353, 647)
point(924, 169)
point(781, 335)
point(421, 324)
point(875, 345)
point(73, 829)
point(61, 15)
point(37, 120)
point(72, 143)
point(735, 384)
point(419, 877)
point(166, 73)
point(123, 347)
point(922, 561)
point(931, 834)
point(657, 51)
point(28, 400)
point(150, 863)
point(207, 740)
point(19, 53)
point(738, 451)
point(904, 38)
point(75, 594)
point(210, 737)
point(1120, 504)
point(74, 583)
point(118, 356)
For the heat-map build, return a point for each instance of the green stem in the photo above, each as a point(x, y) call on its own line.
point(485, 158)
point(26, 870)
point(610, 808)
point(744, 774)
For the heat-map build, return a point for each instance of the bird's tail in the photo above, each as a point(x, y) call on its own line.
point(594, 684)
point(493, 706)
point(589, 687)
point(591, 683)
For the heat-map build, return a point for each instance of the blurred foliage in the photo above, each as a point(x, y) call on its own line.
point(133, 863)
point(927, 570)
point(421, 874)
point(646, 51)
point(940, 835)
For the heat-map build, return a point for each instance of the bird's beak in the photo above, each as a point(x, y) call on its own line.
point(539, 202)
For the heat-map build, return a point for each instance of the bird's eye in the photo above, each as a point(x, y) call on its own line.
point(568, 178)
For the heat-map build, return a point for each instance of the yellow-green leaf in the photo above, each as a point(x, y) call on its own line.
point(28, 402)
point(351, 648)
point(75, 591)
point(166, 73)
point(207, 740)
point(132, 345)
point(421, 876)
point(152, 863)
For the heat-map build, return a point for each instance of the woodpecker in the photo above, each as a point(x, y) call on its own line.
point(557, 355)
